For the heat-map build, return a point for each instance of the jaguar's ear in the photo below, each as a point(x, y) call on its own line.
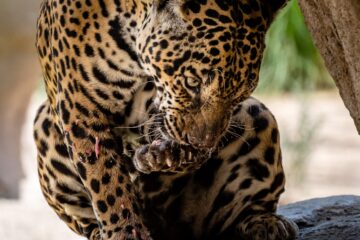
point(271, 7)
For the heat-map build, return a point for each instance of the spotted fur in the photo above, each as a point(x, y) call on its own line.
point(148, 131)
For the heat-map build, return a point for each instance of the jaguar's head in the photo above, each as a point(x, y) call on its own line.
point(205, 57)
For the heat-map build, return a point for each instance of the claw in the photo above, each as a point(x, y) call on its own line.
point(97, 147)
point(168, 162)
point(156, 142)
point(134, 233)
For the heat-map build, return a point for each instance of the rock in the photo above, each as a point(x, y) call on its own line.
point(333, 218)
point(335, 28)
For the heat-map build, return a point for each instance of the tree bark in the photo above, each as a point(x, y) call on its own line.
point(335, 28)
point(19, 71)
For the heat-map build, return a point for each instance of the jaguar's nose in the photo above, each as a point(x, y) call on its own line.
point(206, 142)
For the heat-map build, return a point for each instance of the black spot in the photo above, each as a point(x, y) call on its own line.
point(110, 200)
point(104, 10)
point(118, 95)
point(178, 62)
point(64, 113)
point(232, 177)
point(89, 51)
point(253, 110)
point(245, 49)
point(83, 73)
point(46, 125)
point(197, 22)
point(65, 189)
point(214, 51)
point(81, 170)
point(257, 170)
point(245, 184)
point(269, 155)
point(61, 149)
point(102, 206)
point(116, 33)
point(222, 4)
point(126, 213)
point(110, 163)
point(95, 185)
point(260, 124)
point(129, 107)
point(164, 44)
point(101, 94)
point(119, 192)
point(82, 109)
point(129, 229)
point(274, 135)
point(66, 218)
point(106, 179)
point(278, 182)
point(70, 33)
point(212, 13)
point(78, 131)
point(114, 218)
point(99, 127)
point(149, 86)
point(260, 195)
point(92, 158)
point(120, 179)
point(192, 6)
point(99, 75)
point(62, 168)
point(224, 19)
point(169, 70)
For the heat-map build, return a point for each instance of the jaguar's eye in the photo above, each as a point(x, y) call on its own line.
point(192, 82)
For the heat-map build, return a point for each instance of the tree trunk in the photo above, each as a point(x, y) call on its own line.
point(335, 28)
point(19, 71)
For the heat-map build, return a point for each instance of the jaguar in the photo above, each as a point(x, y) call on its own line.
point(149, 130)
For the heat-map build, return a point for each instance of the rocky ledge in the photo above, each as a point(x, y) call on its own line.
point(333, 218)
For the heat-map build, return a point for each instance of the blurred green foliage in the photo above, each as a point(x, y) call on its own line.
point(291, 61)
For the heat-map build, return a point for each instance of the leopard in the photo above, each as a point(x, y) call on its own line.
point(149, 129)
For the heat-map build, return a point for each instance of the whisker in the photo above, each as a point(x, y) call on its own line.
point(240, 127)
point(239, 137)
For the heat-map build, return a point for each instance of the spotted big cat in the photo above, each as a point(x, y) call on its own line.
point(149, 130)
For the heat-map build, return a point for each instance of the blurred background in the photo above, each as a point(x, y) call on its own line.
point(321, 148)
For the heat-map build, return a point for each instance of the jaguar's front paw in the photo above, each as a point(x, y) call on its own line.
point(270, 227)
point(157, 156)
point(168, 156)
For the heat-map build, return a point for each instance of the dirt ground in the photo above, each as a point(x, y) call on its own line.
point(331, 166)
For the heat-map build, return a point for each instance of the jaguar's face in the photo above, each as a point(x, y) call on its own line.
point(205, 58)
